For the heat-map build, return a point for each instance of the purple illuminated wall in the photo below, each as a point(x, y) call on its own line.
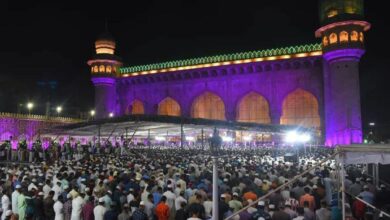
point(105, 96)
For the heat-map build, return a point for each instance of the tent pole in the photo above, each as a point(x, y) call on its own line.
point(181, 136)
point(342, 187)
point(202, 139)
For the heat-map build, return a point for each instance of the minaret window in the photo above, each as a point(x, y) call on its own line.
point(101, 68)
point(108, 69)
point(325, 41)
point(343, 36)
point(95, 69)
point(361, 37)
point(354, 36)
point(333, 38)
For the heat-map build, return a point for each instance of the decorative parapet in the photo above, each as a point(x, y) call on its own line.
point(226, 59)
point(39, 118)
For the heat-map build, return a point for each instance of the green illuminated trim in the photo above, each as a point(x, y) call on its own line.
point(225, 57)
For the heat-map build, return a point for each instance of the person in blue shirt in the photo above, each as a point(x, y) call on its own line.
point(367, 195)
point(157, 196)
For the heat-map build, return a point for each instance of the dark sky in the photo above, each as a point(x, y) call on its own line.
point(49, 41)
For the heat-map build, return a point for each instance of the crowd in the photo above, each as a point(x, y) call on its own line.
point(146, 184)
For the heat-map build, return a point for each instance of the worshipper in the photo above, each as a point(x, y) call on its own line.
point(22, 204)
point(182, 213)
point(235, 204)
point(107, 200)
point(57, 190)
point(208, 206)
point(99, 210)
point(289, 211)
point(367, 195)
point(46, 188)
point(300, 213)
point(276, 198)
point(179, 199)
point(87, 210)
point(381, 196)
point(140, 214)
point(359, 208)
point(261, 213)
point(68, 207)
point(48, 204)
point(149, 206)
point(323, 213)
point(223, 207)
point(245, 215)
point(125, 214)
point(112, 213)
point(77, 206)
point(317, 197)
point(162, 209)
point(58, 208)
point(156, 196)
point(38, 207)
point(307, 198)
point(279, 214)
point(5, 203)
point(195, 212)
point(271, 209)
point(14, 199)
point(309, 214)
point(355, 188)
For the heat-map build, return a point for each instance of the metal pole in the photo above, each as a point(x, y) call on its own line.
point(202, 139)
point(99, 135)
point(181, 136)
point(149, 144)
point(215, 188)
point(342, 187)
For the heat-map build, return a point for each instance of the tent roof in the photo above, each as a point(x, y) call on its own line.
point(365, 153)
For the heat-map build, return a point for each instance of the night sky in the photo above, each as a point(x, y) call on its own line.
point(45, 44)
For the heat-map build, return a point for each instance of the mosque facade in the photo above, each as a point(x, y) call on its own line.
point(313, 85)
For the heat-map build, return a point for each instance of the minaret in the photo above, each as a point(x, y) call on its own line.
point(342, 33)
point(104, 69)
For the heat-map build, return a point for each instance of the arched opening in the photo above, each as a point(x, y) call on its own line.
point(108, 69)
point(136, 108)
point(354, 36)
point(208, 105)
point(169, 106)
point(344, 36)
point(95, 69)
point(325, 41)
point(253, 108)
point(333, 38)
point(300, 108)
point(361, 37)
point(101, 68)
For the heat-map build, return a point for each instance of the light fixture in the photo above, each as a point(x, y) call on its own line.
point(59, 109)
point(189, 138)
point(247, 138)
point(294, 137)
point(30, 105)
point(372, 124)
point(227, 139)
point(111, 115)
point(159, 138)
point(92, 113)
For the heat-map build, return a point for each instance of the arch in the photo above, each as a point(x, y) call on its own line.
point(95, 69)
point(354, 36)
point(136, 108)
point(300, 107)
point(253, 108)
point(343, 36)
point(325, 41)
point(169, 106)
point(108, 69)
point(101, 68)
point(361, 37)
point(333, 38)
point(208, 105)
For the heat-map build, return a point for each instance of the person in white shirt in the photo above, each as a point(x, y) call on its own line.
point(170, 197)
point(130, 196)
point(5, 203)
point(14, 198)
point(59, 209)
point(301, 213)
point(99, 210)
point(179, 200)
point(46, 189)
point(149, 206)
point(77, 206)
point(57, 190)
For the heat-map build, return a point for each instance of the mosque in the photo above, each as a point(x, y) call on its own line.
point(314, 85)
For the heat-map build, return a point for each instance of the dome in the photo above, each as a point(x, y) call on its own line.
point(105, 44)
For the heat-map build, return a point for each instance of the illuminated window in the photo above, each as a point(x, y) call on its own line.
point(108, 69)
point(332, 13)
point(101, 68)
point(343, 36)
point(136, 108)
point(253, 108)
point(354, 36)
point(95, 69)
point(361, 36)
point(333, 38)
point(300, 108)
point(169, 107)
point(325, 41)
point(209, 106)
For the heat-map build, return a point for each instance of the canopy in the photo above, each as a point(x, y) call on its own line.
point(365, 154)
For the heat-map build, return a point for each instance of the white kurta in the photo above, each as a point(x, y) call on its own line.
point(5, 202)
point(14, 197)
point(98, 212)
point(58, 210)
point(77, 206)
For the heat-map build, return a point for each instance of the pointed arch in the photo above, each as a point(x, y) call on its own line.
point(344, 36)
point(300, 107)
point(253, 108)
point(354, 36)
point(136, 108)
point(333, 38)
point(169, 106)
point(208, 105)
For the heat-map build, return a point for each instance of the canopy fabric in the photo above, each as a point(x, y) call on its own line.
point(365, 153)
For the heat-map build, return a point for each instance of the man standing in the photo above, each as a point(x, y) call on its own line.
point(99, 210)
point(14, 198)
point(125, 214)
point(323, 213)
point(58, 208)
point(22, 205)
point(307, 198)
point(162, 209)
point(48, 206)
point(5, 203)
point(87, 211)
point(77, 206)
point(140, 214)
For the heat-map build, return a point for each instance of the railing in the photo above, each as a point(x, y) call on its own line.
point(39, 117)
